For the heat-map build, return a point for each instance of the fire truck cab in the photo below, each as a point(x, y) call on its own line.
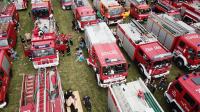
point(110, 10)
point(5, 75)
point(164, 7)
point(20, 4)
point(41, 9)
point(132, 97)
point(8, 13)
point(183, 93)
point(66, 4)
point(139, 9)
point(178, 37)
point(84, 14)
point(153, 60)
point(104, 55)
point(8, 36)
point(42, 92)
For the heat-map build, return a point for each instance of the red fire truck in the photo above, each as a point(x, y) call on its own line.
point(66, 4)
point(164, 7)
point(104, 55)
point(5, 75)
point(178, 37)
point(41, 9)
point(44, 43)
point(20, 4)
point(132, 97)
point(84, 14)
point(8, 13)
point(190, 13)
point(183, 93)
point(153, 60)
point(8, 36)
point(42, 92)
point(110, 10)
point(139, 9)
point(178, 3)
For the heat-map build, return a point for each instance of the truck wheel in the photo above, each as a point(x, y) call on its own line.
point(180, 62)
point(141, 70)
point(119, 43)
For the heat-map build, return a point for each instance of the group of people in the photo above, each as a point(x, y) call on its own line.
point(153, 85)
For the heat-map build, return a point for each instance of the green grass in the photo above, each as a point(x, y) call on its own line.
point(74, 75)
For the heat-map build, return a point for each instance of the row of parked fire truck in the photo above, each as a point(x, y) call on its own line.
point(151, 46)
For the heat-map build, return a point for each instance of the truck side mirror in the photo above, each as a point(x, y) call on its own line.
point(97, 70)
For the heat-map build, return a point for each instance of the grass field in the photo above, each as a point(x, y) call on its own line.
point(74, 75)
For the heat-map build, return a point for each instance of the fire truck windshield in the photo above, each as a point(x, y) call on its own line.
point(3, 42)
point(5, 19)
point(144, 11)
point(115, 11)
point(162, 63)
point(88, 18)
point(40, 12)
point(114, 69)
point(43, 52)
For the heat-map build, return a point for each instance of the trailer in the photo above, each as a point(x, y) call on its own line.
point(5, 75)
point(84, 14)
point(183, 93)
point(132, 97)
point(42, 92)
point(105, 57)
point(41, 9)
point(178, 37)
point(8, 36)
point(109, 10)
point(139, 10)
point(20, 4)
point(153, 60)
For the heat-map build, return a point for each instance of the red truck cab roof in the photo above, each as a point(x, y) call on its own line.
point(85, 11)
point(155, 51)
point(40, 5)
point(109, 54)
point(193, 40)
point(191, 83)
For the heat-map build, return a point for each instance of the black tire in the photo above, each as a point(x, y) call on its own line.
point(141, 70)
point(119, 43)
point(180, 63)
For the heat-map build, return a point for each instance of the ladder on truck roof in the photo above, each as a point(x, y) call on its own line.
point(170, 24)
point(41, 91)
point(145, 35)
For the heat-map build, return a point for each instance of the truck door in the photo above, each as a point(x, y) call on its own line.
point(188, 102)
point(141, 57)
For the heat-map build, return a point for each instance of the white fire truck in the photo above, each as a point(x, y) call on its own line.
point(104, 55)
point(178, 37)
point(152, 59)
point(132, 97)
